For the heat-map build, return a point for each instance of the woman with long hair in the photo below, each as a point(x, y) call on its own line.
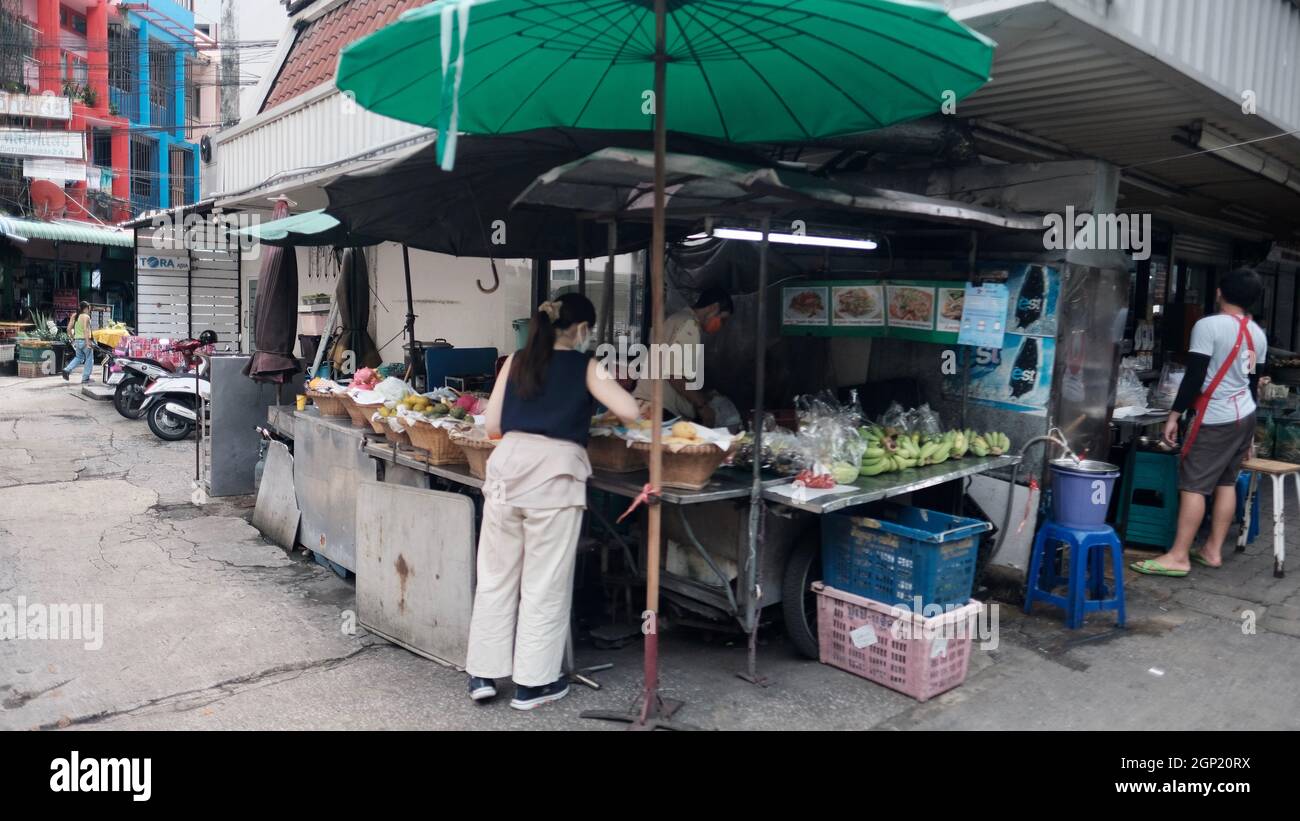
point(534, 496)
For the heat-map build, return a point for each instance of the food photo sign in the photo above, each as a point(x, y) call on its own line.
point(921, 310)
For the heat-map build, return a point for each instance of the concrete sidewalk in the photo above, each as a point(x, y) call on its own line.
point(208, 626)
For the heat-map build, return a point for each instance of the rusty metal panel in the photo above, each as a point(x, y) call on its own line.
point(415, 568)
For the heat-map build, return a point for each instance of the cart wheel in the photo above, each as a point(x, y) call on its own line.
point(798, 602)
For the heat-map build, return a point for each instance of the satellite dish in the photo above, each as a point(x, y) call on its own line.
point(205, 148)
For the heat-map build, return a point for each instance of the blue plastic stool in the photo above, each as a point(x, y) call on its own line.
point(1086, 579)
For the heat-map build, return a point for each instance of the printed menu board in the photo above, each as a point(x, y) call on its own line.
point(804, 306)
point(951, 302)
point(857, 305)
point(911, 305)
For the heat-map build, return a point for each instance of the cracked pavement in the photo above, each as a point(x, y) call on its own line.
point(209, 626)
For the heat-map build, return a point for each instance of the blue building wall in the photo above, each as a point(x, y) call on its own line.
point(146, 119)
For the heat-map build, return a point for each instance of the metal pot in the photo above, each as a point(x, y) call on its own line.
point(1084, 466)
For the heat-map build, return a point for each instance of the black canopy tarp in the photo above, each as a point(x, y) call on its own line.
point(276, 322)
point(467, 212)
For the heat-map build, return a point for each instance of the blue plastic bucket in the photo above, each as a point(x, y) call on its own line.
point(1081, 492)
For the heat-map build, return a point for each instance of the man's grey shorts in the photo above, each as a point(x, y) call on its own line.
point(1216, 456)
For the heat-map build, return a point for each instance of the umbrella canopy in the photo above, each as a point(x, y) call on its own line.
point(276, 323)
point(305, 229)
point(467, 211)
point(750, 71)
point(620, 181)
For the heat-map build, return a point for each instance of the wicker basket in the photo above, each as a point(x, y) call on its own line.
point(360, 413)
point(610, 453)
point(397, 437)
point(329, 404)
point(436, 444)
point(476, 452)
point(688, 468)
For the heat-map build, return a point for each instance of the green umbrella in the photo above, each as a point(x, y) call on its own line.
point(740, 70)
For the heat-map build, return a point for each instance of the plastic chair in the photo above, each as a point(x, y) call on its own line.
point(1086, 580)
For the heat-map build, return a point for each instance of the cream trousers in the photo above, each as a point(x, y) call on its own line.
point(524, 593)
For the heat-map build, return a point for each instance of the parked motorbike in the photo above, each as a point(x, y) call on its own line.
point(139, 373)
point(172, 404)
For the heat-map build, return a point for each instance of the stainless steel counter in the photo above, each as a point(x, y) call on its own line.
point(875, 488)
point(725, 485)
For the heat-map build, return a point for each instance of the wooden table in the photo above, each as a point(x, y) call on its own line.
point(1279, 471)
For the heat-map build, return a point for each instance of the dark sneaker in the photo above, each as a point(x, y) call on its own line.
point(526, 698)
point(482, 689)
point(65, 375)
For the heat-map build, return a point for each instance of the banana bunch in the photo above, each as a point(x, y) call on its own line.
point(998, 443)
point(960, 443)
point(937, 449)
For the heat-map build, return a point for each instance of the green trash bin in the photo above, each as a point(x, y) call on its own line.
point(521, 332)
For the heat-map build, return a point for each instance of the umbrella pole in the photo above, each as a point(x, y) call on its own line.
point(410, 312)
point(654, 712)
point(756, 488)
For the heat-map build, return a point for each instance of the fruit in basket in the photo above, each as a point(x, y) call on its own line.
point(439, 409)
point(458, 412)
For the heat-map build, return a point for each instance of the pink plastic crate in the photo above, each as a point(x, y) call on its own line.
point(892, 646)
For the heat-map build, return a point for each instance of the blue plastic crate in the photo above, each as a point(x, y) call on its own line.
point(901, 552)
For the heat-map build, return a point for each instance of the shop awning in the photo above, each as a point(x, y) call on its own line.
point(64, 232)
point(620, 181)
point(308, 228)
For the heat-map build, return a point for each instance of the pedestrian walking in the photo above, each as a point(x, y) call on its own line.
point(79, 333)
point(1219, 387)
point(534, 495)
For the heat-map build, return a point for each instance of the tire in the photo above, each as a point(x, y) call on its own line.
point(165, 426)
point(798, 602)
point(128, 396)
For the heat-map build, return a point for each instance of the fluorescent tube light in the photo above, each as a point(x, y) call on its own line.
point(796, 239)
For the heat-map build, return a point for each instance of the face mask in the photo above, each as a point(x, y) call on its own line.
point(585, 344)
point(713, 324)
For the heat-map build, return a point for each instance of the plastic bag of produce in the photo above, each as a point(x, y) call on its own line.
point(894, 418)
point(828, 435)
point(393, 389)
point(925, 420)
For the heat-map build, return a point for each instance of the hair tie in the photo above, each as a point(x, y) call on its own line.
point(551, 309)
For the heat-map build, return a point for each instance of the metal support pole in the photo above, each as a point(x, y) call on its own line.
point(653, 711)
point(410, 310)
point(756, 509)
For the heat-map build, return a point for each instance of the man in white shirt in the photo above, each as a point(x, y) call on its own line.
point(690, 327)
point(1219, 386)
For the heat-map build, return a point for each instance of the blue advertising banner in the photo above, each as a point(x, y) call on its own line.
point(1016, 377)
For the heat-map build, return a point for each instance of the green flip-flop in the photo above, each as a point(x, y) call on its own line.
point(1199, 559)
point(1149, 567)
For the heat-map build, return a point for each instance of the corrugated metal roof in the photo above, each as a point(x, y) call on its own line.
point(65, 232)
point(1062, 80)
point(315, 54)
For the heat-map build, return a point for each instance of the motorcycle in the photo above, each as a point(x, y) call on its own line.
point(139, 373)
point(172, 404)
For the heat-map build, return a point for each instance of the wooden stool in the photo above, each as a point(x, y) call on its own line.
point(1279, 471)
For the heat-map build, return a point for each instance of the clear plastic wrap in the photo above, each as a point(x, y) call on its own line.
point(828, 435)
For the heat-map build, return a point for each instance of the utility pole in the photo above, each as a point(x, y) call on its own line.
point(228, 32)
